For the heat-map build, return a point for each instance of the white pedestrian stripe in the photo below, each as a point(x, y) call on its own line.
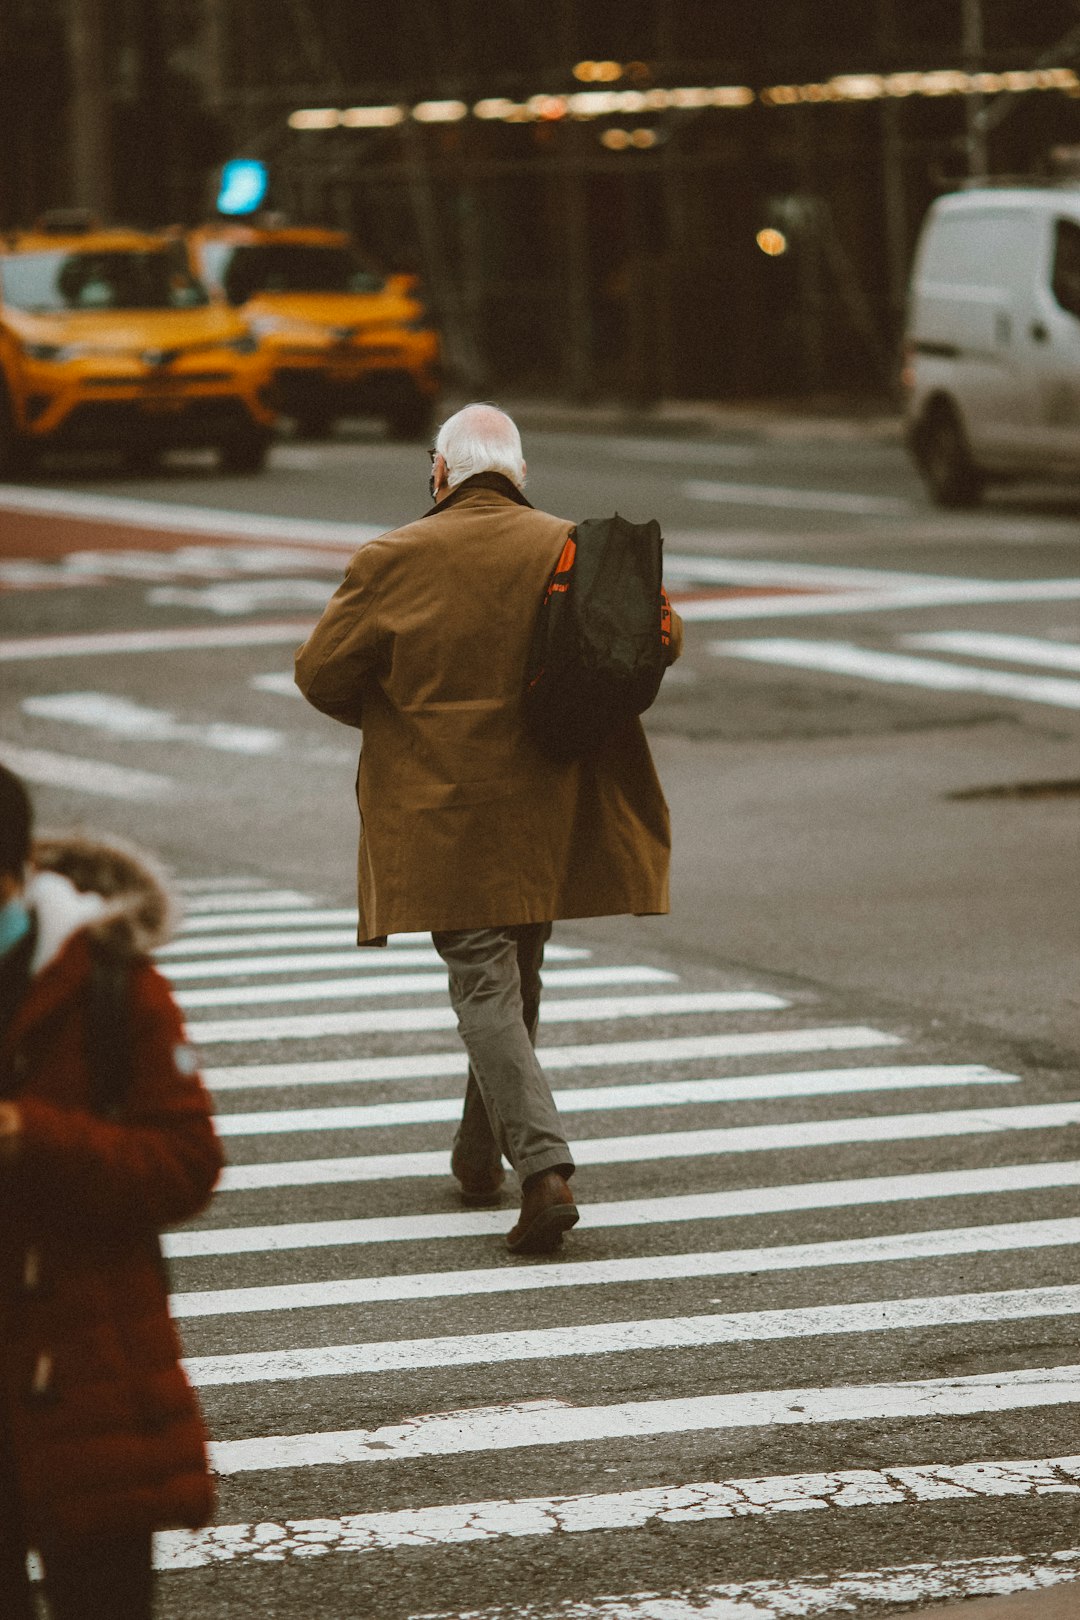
point(93, 776)
point(108, 643)
point(230, 598)
point(398, 1020)
point(280, 684)
point(811, 1597)
point(948, 593)
point(244, 967)
point(180, 519)
point(680, 1144)
point(748, 1201)
point(399, 984)
point(224, 904)
point(654, 1094)
point(628, 1338)
point(898, 669)
point(555, 1423)
point(1010, 649)
point(122, 717)
point(841, 1490)
point(601, 1054)
point(226, 922)
point(902, 1246)
point(187, 947)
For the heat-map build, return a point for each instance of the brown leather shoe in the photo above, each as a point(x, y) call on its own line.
point(479, 1188)
point(547, 1211)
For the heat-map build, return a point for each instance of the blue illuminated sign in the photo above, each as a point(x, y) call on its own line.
point(244, 183)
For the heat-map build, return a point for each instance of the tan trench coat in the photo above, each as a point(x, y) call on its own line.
point(464, 823)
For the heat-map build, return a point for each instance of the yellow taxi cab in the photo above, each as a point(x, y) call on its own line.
point(344, 339)
point(108, 341)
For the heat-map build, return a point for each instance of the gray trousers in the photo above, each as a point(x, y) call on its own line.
point(495, 992)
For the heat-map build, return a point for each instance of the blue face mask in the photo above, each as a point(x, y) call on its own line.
point(14, 925)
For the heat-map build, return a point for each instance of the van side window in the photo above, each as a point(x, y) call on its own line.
point(1066, 277)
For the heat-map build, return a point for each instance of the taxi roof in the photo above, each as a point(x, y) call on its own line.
point(95, 241)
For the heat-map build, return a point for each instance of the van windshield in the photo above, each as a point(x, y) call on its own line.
point(291, 267)
point(53, 281)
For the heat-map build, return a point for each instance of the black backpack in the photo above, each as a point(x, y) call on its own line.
point(602, 638)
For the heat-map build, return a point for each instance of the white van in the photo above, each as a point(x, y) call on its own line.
point(992, 347)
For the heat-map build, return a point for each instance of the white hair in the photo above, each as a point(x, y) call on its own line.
point(480, 438)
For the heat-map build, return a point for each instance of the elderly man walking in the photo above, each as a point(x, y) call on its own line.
point(467, 829)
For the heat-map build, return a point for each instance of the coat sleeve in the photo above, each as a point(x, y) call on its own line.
point(153, 1166)
point(336, 659)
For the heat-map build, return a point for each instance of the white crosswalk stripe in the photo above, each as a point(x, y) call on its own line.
point(883, 1258)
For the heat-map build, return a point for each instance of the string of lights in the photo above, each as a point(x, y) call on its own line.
point(584, 105)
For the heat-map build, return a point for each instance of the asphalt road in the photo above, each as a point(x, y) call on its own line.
point(840, 1072)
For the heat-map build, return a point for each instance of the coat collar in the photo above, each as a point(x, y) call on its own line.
point(483, 480)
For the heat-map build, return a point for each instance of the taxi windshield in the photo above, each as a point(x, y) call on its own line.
point(58, 280)
point(292, 267)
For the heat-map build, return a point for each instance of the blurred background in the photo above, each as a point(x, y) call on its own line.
point(631, 199)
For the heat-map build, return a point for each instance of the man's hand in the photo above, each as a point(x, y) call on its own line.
point(10, 1129)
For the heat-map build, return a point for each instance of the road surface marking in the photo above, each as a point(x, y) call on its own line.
point(653, 1094)
point(845, 658)
point(278, 682)
point(229, 967)
point(211, 921)
point(811, 1597)
point(747, 1201)
point(216, 946)
point(450, 1524)
point(301, 907)
point(554, 1423)
point(395, 1020)
point(110, 642)
point(87, 775)
point(1010, 649)
point(622, 1338)
point(600, 1054)
point(948, 594)
point(141, 514)
point(679, 1144)
point(122, 717)
point(872, 1251)
point(710, 570)
point(400, 984)
point(212, 885)
point(231, 598)
point(799, 500)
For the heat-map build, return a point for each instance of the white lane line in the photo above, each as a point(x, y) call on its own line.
point(246, 900)
point(798, 500)
point(710, 570)
point(898, 669)
point(231, 598)
point(815, 1597)
point(217, 921)
point(119, 716)
point(110, 642)
point(94, 776)
point(601, 1054)
point(620, 1338)
point(586, 1010)
point(900, 1246)
point(232, 967)
point(679, 1144)
point(554, 1423)
point(654, 1094)
point(447, 1525)
point(180, 519)
point(1010, 649)
point(400, 984)
point(948, 594)
point(747, 1201)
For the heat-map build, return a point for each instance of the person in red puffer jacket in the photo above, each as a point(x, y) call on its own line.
point(101, 1439)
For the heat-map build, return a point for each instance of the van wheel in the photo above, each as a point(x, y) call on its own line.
point(16, 456)
point(246, 453)
point(945, 462)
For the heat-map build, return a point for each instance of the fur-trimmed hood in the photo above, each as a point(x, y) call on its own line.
point(115, 891)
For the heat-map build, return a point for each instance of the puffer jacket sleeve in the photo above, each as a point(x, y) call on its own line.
point(335, 661)
point(154, 1165)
